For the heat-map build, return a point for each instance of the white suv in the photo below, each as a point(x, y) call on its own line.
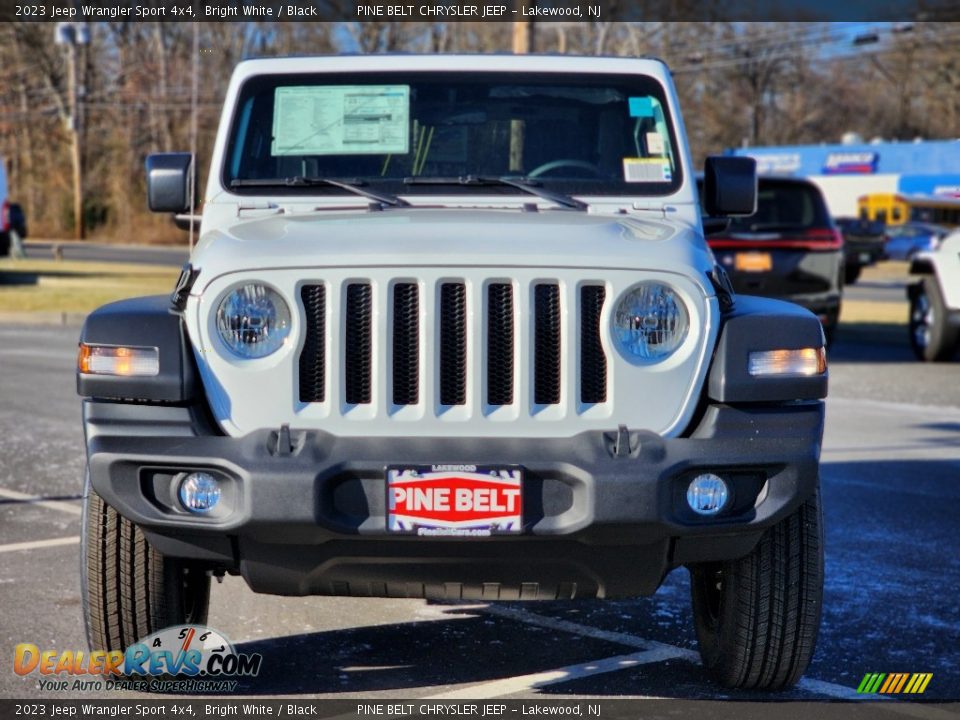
point(452, 330)
point(935, 301)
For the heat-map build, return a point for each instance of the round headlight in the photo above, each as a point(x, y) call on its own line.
point(253, 320)
point(650, 322)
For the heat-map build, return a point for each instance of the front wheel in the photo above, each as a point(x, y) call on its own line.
point(757, 617)
point(932, 337)
point(129, 590)
point(851, 274)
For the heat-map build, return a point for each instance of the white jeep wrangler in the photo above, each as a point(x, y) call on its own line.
point(452, 330)
point(935, 301)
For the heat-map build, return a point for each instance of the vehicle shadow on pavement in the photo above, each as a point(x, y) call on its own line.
point(467, 648)
point(891, 570)
point(470, 646)
point(947, 427)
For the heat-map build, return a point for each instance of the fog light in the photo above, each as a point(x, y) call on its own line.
point(707, 494)
point(199, 492)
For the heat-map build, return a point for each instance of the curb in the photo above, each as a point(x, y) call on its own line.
point(105, 244)
point(62, 319)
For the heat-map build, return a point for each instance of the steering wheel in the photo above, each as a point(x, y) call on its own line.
point(564, 162)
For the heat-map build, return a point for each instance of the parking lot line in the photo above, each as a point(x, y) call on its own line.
point(526, 683)
point(24, 352)
point(819, 687)
point(529, 618)
point(35, 544)
point(40, 502)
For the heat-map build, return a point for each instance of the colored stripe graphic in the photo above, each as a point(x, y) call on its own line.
point(891, 681)
point(894, 683)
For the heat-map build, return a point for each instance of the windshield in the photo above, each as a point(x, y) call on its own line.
point(585, 134)
point(784, 205)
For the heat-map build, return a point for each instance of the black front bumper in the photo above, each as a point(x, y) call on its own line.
point(604, 513)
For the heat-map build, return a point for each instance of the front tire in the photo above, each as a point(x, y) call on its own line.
point(757, 617)
point(851, 274)
point(129, 590)
point(932, 337)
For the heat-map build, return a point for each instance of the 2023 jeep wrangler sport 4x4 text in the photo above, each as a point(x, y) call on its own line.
point(452, 330)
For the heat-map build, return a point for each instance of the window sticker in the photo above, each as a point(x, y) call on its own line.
point(341, 120)
point(654, 143)
point(641, 106)
point(640, 170)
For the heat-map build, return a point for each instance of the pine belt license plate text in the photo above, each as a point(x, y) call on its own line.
point(753, 262)
point(454, 500)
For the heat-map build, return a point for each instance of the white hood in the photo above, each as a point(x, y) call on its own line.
point(451, 238)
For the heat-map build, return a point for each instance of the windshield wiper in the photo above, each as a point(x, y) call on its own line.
point(352, 185)
point(521, 183)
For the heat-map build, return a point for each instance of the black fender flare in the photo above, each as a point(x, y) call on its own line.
point(149, 322)
point(755, 325)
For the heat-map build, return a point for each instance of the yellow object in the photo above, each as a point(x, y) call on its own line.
point(896, 209)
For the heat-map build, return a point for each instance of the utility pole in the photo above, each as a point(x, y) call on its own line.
point(522, 44)
point(75, 35)
point(522, 36)
point(194, 92)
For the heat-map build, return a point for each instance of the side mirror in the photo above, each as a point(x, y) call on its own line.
point(183, 221)
point(730, 186)
point(170, 182)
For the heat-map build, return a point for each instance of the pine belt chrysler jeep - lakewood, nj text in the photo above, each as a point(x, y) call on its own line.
point(452, 330)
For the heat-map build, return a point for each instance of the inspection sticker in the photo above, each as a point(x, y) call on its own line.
point(646, 170)
point(341, 120)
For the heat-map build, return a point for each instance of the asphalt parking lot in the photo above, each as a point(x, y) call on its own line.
point(891, 464)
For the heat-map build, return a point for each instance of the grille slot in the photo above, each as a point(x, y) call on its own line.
point(500, 344)
point(358, 343)
point(546, 363)
point(593, 362)
point(453, 344)
point(313, 357)
point(406, 344)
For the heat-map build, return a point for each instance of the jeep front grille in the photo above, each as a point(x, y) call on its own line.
point(313, 358)
point(546, 349)
point(406, 343)
point(468, 351)
point(453, 344)
point(500, 320)
point(496, 328)
point(593, 363)
point(358, 347)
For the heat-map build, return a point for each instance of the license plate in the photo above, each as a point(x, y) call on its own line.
point(455, 500)
point(753, 262)
point(865, 258)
